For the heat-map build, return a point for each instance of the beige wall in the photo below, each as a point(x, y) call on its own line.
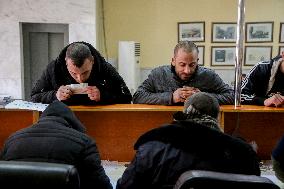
point(153, 23)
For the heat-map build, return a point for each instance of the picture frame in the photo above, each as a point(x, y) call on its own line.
point(223, 55)
point(191, 31)
point(224, 32)
point(255, 54)
point(281, 49)
point(281, 33)
point(201, 49)
point(259, 32)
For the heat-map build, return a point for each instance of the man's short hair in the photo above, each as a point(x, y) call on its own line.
point(78, 53)
point(187, 46)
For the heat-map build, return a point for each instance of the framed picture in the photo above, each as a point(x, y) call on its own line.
point(224, 32)
point(223, 56)
point(258, 32)
point(281, 33)
point(191, 31)
point(281, 49)
point(201, 55)
point(255, 54)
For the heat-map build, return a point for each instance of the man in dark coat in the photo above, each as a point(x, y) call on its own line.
point(264, 84)
point(193, 141)
point(80, 76)
point(59, 137)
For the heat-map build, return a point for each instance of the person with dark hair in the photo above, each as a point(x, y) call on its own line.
point(80, 76)
point(173, 84)
point(264, 84)
point(193, 141)
point(59, 137)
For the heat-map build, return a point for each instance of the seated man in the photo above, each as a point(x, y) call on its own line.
point(171, 85)
point(278, 159)
point(80, 76)
point(193, 141)
point(59, 137)
point(264, 84)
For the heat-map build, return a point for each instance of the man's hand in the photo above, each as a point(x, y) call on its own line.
point(276, 100)
point(63, 93)
point(181, 94)
point(94, 93)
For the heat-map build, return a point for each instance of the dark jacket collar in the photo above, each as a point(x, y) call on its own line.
point(190, 136)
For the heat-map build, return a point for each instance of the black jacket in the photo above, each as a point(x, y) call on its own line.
point(262, 81)
point(164, 153)
point(104, 76)
point(59, 137)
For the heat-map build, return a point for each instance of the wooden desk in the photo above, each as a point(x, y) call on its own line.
point(264, 125)
point(13, 120)
point(117, 127)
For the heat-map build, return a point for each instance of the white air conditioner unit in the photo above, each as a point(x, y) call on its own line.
point(129, 63)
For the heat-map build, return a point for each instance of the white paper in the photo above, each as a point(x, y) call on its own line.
point(21, 104)
point(78, 88)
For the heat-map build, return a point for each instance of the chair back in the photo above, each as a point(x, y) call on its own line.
point(200, 179)
point(38, 175)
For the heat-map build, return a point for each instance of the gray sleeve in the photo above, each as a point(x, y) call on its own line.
point(221, 90)
point(147, 93)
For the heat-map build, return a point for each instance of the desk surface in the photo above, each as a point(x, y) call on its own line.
point(249, 108)
point(127, 107)
point(146, 107)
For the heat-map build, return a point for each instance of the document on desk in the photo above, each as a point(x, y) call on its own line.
point(21, 104)
point(4, 99)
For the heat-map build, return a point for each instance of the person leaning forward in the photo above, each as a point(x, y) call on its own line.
point(173, 84)
point(80, 63)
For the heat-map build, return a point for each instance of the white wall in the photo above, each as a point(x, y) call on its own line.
point(79, 14)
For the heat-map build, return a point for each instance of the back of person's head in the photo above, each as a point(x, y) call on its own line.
point(187, 46)
point(203, 103)
point(201, 108)
point(78, 53)
point(60, 110)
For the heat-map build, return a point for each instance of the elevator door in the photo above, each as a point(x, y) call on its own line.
point(41, 44)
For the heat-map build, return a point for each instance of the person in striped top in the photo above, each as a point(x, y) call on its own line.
point(264, 84)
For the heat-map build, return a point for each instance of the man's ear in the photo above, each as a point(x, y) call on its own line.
point(173, 62)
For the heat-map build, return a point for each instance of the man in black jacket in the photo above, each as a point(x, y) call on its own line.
point(264, 84)
point(193, 141)
point(59, 137)
point(80, 76)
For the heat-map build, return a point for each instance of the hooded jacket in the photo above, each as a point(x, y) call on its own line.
point(164, 153)
point(113, 89)
point(262, 81)
point(58, 137)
